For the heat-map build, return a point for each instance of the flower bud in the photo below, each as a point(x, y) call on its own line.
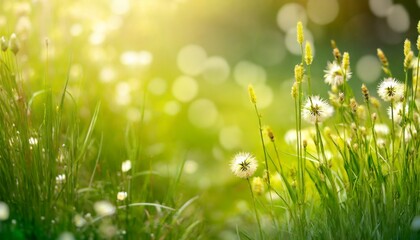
point(13, 44)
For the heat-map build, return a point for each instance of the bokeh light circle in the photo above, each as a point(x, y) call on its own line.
point(398, 18)
point(230, 137)
point(190, 59)
point(157, 86)
point(246, 73)
point(380, 7)
point(368, 68)
point(216, 70)
point(172, 108)
point(203, 113)
point(289, 14)
point(185, 88)
point(322, 11)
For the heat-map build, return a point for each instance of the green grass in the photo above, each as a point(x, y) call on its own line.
point(72, 113)
point(350, 181)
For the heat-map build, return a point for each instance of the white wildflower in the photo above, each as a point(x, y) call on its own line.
point(334, 75)
point(61, 178)
point(121, 196)
point(316, 110)
point(4, 211)
point(126, 166)
point(243, 165)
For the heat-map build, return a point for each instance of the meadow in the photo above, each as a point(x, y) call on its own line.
point(221, 120)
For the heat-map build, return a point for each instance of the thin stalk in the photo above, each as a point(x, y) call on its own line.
point(262, 142)
point(255, 209)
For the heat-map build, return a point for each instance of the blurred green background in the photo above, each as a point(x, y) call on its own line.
point(177, 72)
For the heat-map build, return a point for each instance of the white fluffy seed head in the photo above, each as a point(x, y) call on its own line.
point(243, 165)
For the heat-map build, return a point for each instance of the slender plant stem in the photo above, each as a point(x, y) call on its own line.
point(255, 209)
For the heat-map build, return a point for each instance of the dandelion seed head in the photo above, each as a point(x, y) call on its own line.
point(334, 75)
point(104, 208)
point(243, 165)
point(390, 90)
point(316, 110)
point(121, 196)
point(126, 166)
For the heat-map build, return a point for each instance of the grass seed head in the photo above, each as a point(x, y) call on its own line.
point(407, 47)
point(299, 36)
point(308, 54)
point(408, 60)
point(298, 73)
point(365, 93)
point(382, 58)
point(346, 61)
point(294, 91)
point(252, 95)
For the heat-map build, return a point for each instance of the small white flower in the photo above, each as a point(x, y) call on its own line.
point(316, 110)
point(121, 196)
point(4, 211)
point(126, 166)
point(334, 75)
point(60, 178)
point(391, 90)
point(397, 112)
point(243, 165)
point(104, 208)
point(33, 141)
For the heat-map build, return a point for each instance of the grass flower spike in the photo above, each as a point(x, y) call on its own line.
point(391, 90)
point(243, 165)
point(334, 75)
point(252, 95)
point(316, 110)
point(299, 33)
